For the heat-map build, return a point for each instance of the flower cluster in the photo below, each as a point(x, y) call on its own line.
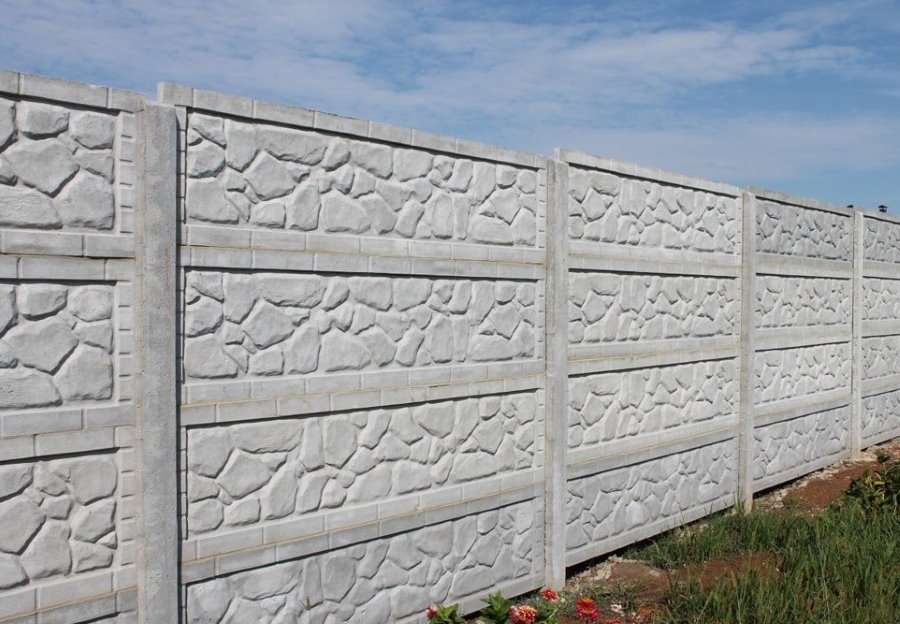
point(500, 610)
point(586, 610)
point(522, 615)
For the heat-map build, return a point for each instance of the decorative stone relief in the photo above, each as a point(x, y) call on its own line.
point(257, 175)
point(246, 473)
point(604, 505)
point(794, 231)
point(613, 307)
point(881, 299)
point(56, 342)
point(57, 518)
point(383, 580)
point(880, 356)
point(269, 324)
point(56, 167)
point(613, 406)
point(882, 241)
point(880, 414)
point(611, 209)
point(801, 301)
point(789, 444)
point(789, 373)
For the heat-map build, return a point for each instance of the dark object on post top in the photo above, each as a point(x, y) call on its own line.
point(882, 208)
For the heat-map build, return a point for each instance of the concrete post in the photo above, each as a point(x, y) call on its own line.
point(859, 233)
point(156, 390)
point(748, 351)
point(557, 375)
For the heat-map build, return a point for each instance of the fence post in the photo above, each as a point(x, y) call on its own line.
point(747, 350)
point(859, 231)
point(557, 377)
point(155, 390)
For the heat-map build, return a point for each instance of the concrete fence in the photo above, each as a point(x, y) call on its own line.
point(265, 364)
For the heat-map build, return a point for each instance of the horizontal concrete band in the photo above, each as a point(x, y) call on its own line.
point(881, 436)
point(777, 264)
point(325, 262)
point(604, 357)
point(794, 337)
point(800, 202)
point(798, 471)
point(66, 442)
point(778, 411)
point(54, 420)
point(881, 270)
point(198, 99)
point(616, 542)
point(589, 161)
point(42, 87)
point(624, 259)
point(65, 268)
point(880, 385)
point(67, 244)
point(881, 327)
point(265, 545)
point(621, 453)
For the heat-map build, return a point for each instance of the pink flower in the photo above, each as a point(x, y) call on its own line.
point(522, 615)
point(431, 612)
point(550, 595)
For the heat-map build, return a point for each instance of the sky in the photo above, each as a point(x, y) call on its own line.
point(797, 96)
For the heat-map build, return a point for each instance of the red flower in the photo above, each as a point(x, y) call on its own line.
point(522, 615)
point(613, 622)
point(431, 612)
point(586, 610)
point(550, 595)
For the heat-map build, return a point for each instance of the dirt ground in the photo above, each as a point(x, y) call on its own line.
point(646, 587)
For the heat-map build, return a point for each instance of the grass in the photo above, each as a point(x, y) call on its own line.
point(842, 566)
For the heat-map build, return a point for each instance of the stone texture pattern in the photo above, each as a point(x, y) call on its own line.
point(384, 580)
point(613, 307)
point(56, 344)
point(882, 241)
point(786, 445)
point(57, 518)
point(791, 373)
point(56, 167)
point(614, 406)
point(795, 231)
point(880, 414)
point(801, 302)
point(611, 209)
point(881, 299)
point(265, 176)
point(611, 503)
point(270, 324)
point(243, 474)
point(881, 356)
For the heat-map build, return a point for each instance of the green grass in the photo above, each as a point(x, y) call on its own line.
point(840, 567)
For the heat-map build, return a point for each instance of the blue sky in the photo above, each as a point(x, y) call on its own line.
point(802, 97)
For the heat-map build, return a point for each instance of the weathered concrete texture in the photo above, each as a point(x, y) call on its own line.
point(795, 231)
point(56, 344)
point(383, 580)
point(270, 324)
point(243, 474)
point(626, 499)
point(57, 518)
point(790, 373)
point(612, 307)
point(613, 406)
point(801, 301)
point(882, 241)
point(611, 209)
point(880, 356)
point(272, 177)
point(787, 445)
point(881, 298)
point(56, 167)
point(881, 415)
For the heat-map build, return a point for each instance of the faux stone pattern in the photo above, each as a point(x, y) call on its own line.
point(801, 302)
point(265, 176)
point(56, 167)
point(57, 518)
point(880, 414)
point(384, 580)
point(881, 356)
point(611, 209)
point(247, 473)
point(795, 231)
point(882, 241)
point(56, 344)
point(791, 373)
point(270, 324)
point(789, 444)
point(881, 299)
point(613, 406)
point(613, 307)
point(602, 506)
